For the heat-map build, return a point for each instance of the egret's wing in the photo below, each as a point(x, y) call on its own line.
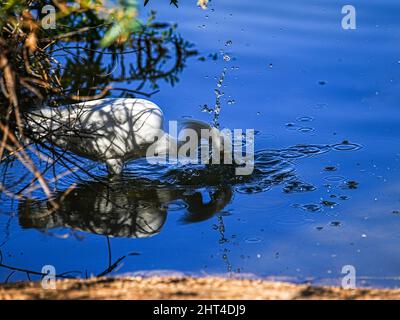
point(67, 116)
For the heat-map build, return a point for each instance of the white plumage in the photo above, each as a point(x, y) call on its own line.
point(107, 130)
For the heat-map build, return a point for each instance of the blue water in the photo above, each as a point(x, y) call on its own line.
point(296, 77)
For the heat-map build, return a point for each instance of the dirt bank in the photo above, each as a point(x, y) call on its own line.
point(184, 288)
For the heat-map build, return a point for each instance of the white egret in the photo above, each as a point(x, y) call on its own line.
point(111, 130)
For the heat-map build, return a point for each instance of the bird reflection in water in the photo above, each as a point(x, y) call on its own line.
point(122, 211)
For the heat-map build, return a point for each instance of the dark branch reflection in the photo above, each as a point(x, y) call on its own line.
point(121, 211)
point(157, 53)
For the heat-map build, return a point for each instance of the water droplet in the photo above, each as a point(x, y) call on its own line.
point(218, 93)
point(305, 119)
point(350, 185)
point(291, 126)
point(306, 129)
point(310, 149)
point(254, 239)
point(298, 186)
point(327, 203)
point(227, 58)
point(334, 178)
point(346, 146)
point(206, 108)
point(311, 207)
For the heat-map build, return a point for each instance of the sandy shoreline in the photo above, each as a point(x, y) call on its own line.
point(137, 288)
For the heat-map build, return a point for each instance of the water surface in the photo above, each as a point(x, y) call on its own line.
point(324, 193)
